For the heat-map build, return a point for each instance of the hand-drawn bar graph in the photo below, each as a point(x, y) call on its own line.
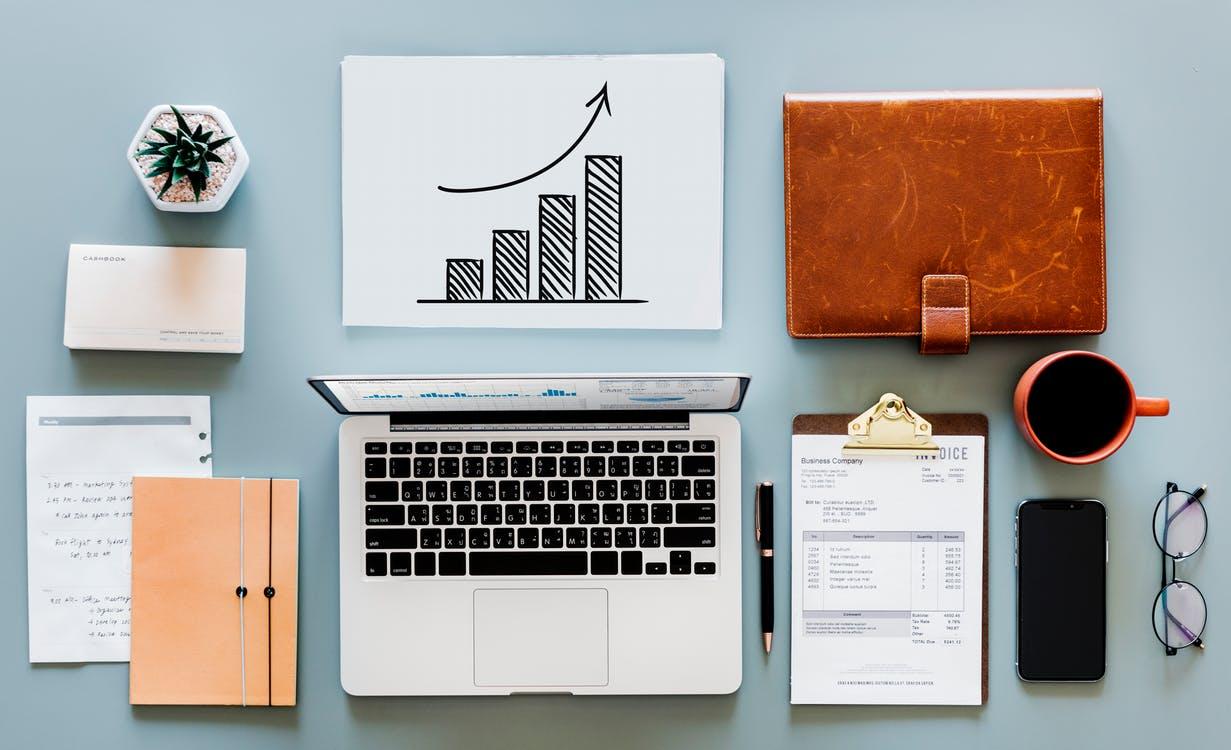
point(557, 264)
point(557, 246)
point(604, 261)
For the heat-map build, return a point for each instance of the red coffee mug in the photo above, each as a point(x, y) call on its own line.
point(1068, 377)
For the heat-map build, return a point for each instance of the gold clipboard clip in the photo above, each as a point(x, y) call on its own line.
point(890, 427)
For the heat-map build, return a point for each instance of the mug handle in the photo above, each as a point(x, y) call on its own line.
point(1153, 407)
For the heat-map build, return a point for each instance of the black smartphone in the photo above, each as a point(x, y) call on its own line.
point(1061, 552)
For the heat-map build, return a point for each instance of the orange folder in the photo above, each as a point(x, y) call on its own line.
point(214, 591)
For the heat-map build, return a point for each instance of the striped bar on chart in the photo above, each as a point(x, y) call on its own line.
point(557, 246)
point(463, 279)
point(603, 225)
point(510, 264)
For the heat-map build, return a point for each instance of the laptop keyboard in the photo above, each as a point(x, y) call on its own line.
point(617, 507)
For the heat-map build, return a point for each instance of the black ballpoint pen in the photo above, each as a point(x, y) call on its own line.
point(764, 521)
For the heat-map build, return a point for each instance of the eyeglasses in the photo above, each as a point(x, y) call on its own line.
point(1180, 526)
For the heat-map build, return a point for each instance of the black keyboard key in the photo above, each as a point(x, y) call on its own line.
point(448, 467)
point(476, 446)
point(502, 446)
point(668, 466)
point(557, 489)
point(425, 448)
point(540, 514)
point(649, 537)
point(681, 563)
point(618, 466)
point(385, 515)
point(485, 492)
point(377, 564)
point(497, 466)
point(703, 489)
point(418, 515)
point(578, 446)
point(587, 514)
point(380, 492)
point(552, 446)
point(613, 513)
point(375, 449)
point(604, 563)
point(656, 569)
point(643, 466)
point(583, 489)
point(412, 491)
point(430, 539)
point(472, 466)
point(527, 446)
point(655, 489)
point(689, 536)
point(436, 492)
point(391, 538)
point(467, 515)
point(527, 538)
point(374, 468)
point(492, 515)
point(600, 536)
point(660, 513)
point(515, 515)
point(425, 467)
point(455, 539)
point(460, 491)
point(399, 563)
point(638, 513)
point(677, 446)
point(627, 446)
point(425, 563)
point(528, 563)
point(553, 537)
point(402, 449)
point(698, 466)
point(630, 490)
point(681, 489)
point(453, 563)
point(521, 466)
point(532, 491)
point(630, 562)
point(626, 536)
point(570, 466)
point(510, 491)
point(399, 467)
point(703, 446)
point(596, 466)
point(606, 489)
point(705, 568)
point(480, 538)
point(451, 448)
point(652, 446)
point(545, 466)
point(502, 538)
point(564, 515)
point(602, 446)
point(694, 513)
point(575, 538)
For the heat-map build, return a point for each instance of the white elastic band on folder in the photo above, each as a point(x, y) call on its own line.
point(243, 669)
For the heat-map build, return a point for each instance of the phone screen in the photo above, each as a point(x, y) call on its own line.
point(1061, 590)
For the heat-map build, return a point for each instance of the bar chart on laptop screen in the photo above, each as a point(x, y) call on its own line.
point(463, 395)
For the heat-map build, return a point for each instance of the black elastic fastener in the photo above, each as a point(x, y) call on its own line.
point(241, 591)
point(269, 592)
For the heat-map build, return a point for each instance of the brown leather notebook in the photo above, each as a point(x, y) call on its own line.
point(944, 215)
point(215, 591)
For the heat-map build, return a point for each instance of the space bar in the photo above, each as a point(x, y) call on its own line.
point(527, 563)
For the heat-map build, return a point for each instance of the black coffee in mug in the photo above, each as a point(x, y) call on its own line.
point(1078, 405)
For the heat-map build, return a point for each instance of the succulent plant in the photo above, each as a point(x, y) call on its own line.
point(186, 153)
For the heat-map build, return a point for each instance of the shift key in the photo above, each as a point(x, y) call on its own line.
point(688, 536)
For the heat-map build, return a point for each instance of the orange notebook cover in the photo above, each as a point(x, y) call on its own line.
point(214, 591)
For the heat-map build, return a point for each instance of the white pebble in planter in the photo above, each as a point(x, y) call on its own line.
point(188, 158)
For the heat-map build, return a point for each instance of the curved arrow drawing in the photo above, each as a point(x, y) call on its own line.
point(603, 103)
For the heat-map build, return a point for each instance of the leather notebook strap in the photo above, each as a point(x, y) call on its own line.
point(946, 314)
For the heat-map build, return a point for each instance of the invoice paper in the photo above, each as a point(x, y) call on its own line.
point(887, 574)
point(81, 455)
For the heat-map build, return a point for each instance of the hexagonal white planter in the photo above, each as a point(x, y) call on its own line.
point(216, 194)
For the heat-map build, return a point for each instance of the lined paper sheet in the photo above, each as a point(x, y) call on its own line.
point(81, 455)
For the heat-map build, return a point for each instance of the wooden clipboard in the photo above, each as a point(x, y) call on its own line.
point(937, 424)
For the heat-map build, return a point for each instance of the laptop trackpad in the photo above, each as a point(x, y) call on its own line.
point(540, 637)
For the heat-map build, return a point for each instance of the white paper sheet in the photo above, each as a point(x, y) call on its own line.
point(886, 574)
point(615, 217)
point(81, 455)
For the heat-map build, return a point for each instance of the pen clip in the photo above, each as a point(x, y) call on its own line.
point(756, 512)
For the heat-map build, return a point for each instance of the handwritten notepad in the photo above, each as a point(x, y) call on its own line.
point(81, 455)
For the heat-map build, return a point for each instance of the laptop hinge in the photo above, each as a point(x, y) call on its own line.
point(478, 421)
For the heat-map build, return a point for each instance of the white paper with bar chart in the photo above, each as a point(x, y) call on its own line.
point(533, 192)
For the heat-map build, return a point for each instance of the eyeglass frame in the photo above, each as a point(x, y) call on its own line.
point(1194, 497)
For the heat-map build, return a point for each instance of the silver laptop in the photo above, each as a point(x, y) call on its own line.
point(539, 533)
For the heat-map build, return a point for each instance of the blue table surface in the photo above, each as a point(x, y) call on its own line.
point(77, 78)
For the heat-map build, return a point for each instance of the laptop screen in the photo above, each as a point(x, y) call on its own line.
point(408, 393)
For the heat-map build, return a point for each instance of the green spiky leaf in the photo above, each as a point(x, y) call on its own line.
point(185, 153)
